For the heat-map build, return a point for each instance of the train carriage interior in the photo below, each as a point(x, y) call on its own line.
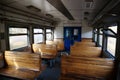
point(59, 40)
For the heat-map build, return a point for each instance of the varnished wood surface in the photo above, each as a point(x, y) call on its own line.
point(86, 39)
point(88, 68)
point(67, 77)
point(46, 51)
point(96, 61)
point(23, 74)
point(85, 51)
point(21, 65)
point(60, 44)
point(85, 43)
point(23, 60)
point(50, 42)
point(36, 47)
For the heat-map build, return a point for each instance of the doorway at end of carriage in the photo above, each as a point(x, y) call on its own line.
point(71, 34)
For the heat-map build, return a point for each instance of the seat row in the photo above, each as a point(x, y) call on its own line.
point(86, 63)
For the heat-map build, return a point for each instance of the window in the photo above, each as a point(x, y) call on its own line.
point(49, 34)
point(111, 45)
point(18, 37)
point(100, 36)
point(100, 39)
point(95, 35)
point(38, 35)
point(113, 28)
point(111, 39)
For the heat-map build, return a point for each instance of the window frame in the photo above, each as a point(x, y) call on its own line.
point(95, 35)
point(100, 34)
point(52, 34)
point(38, 33)
point(112, 36)
point(27, 34)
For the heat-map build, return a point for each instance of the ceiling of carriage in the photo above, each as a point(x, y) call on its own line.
point(78, 9)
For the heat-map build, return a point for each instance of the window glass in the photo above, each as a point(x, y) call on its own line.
point(114, 28)
point(18, 38)
point(48, 36)
point(38, 35)
point(100, 40)
point(38, 38)
point(100, 31)
point(38, 31)
point(18, 41)
point(48, 30)
point(75, 32)
point(17, 30)
point(111, 45)
point(95, 37)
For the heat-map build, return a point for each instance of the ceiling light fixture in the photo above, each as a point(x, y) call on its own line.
point(33, 8)
point(49, 15)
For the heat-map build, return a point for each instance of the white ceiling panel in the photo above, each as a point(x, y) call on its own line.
point(8, 1)
point(73, 4)
point(41, 4)
point(75, 7)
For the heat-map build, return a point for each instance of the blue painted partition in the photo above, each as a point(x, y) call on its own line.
point(71, 34)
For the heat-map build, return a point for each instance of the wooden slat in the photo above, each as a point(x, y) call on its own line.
point(85, 51)
point(20, 73)
point(36, 47)
point(21, 65)
point(46, 51)
point(87, 67)
point(60, 44)
point(86, 39)
point(23, 60)
point(91, 44)
point(96, 61)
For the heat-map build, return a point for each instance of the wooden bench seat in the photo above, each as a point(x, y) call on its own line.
point(86, 39)
point(85, 51)
point(21, 65)
point(86, 69)
point(60, 44)
point(91, 44)
point(96, 61)
point(46, 51)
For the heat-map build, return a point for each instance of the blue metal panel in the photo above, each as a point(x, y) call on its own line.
point(71, 34)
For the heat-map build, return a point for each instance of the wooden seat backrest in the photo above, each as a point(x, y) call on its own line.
point(85, 51)
point(36, 47)
point(48, 49)
point(91, 44)
point(23, 60)
point(87, 60)
point(87, 68)
point(86, 39)
point(60, 44)
point(50, 42)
